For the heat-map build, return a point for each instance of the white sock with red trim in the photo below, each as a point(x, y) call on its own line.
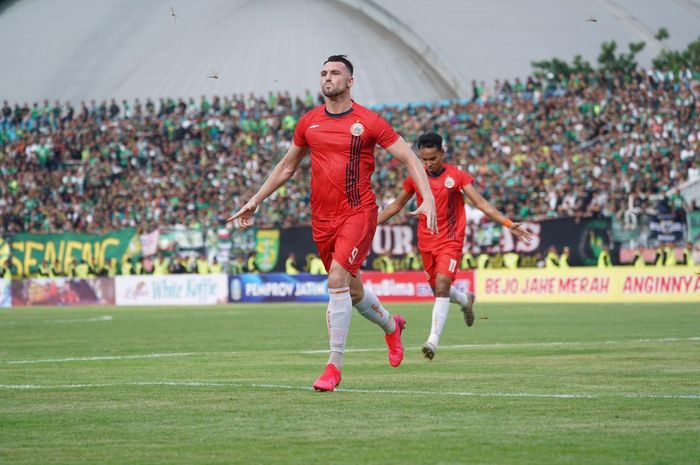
point(457, 297)
point(440, 310)
point(371, 308)
point(338, 318)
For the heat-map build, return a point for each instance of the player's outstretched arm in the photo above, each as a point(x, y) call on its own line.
point(402, 152)
point(281, 173)
point(489, 210)
point(394, 207)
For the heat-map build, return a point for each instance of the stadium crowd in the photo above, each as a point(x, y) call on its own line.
point(597, 144)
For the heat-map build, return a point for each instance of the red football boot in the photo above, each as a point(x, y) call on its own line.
point(393, 341)
point(329, 379)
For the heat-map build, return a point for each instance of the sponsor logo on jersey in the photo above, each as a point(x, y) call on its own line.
point(357, 129)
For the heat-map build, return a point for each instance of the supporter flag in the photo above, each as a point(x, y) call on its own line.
point(267, 246)
point(666, 228)
point(694, 227)
point(149, 243)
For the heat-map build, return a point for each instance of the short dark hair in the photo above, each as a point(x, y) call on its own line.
point(430, 140)
point(342, 59)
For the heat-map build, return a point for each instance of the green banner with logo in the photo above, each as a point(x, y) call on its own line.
point(267, 247)
point(29, 250)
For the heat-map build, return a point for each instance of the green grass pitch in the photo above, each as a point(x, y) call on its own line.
point(532, 384)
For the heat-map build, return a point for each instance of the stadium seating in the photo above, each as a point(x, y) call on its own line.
point(590, 145)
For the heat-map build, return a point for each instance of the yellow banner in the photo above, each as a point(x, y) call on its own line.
point(585, 284)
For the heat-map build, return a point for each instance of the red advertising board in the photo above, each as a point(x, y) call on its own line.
point(410, 286)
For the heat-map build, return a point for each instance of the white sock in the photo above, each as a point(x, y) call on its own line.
point(457, 297)
point(338, 318)
point(440, 310)
point(336, 358)
point(371, 308)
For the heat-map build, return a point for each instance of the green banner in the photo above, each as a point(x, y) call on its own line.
point(4, 250)
point(267, 247)
point(694, 227)
point(29, 250)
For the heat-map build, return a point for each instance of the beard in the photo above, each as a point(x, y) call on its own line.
point(331, 91)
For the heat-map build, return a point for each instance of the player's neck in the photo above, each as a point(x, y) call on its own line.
point(437, 173)
point(339, 104)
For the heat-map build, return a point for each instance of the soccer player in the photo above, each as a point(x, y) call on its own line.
point(341, 136)
point(442, 253)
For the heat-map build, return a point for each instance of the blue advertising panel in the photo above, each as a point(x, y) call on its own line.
point(278, 287)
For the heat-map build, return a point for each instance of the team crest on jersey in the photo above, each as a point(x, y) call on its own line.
point(449, 182)
point(357, 129)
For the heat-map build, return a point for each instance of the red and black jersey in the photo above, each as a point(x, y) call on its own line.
point(342, 157)
point(449, 204)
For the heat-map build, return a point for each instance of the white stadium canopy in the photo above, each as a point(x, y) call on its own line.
point(403, 50)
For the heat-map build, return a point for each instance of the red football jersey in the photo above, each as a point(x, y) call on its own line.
point(342, 157)
point(449, 203)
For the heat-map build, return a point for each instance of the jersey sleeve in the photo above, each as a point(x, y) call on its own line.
point(465, 179)
point(300, 131)
point(384, 134)
point(409, 186)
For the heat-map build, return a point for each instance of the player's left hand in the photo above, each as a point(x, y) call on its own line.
point(428, 210)
point(245, 214)
point(521, 233)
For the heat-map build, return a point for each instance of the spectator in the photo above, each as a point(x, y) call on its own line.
point(591, 146)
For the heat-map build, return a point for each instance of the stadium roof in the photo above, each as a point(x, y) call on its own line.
point(403, 50)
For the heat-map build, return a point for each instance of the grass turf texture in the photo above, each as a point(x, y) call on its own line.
point(238, 388)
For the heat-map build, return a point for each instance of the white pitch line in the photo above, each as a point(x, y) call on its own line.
point(378, 349)
point(354, 391)
point(66, 320)
point(507, 345)
point(82, 320)
point(101, 357)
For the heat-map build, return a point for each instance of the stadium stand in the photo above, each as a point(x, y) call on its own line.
point(592, 145)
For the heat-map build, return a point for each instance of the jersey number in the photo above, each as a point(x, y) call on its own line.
point(452, 266)
point(353, 255)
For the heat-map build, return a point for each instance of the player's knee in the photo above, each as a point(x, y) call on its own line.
point(338, 276)
point(442, 286)
point(356, 295)
point(441, 292)
point(336, 281)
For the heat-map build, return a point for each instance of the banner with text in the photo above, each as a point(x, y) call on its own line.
point(278, 287)
point(585, 238)
point(588, 284)
point(62, 291)
point(405, 286)
point(177, 289)
point(29, 250)
point(666, 228)
point(410, 286)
